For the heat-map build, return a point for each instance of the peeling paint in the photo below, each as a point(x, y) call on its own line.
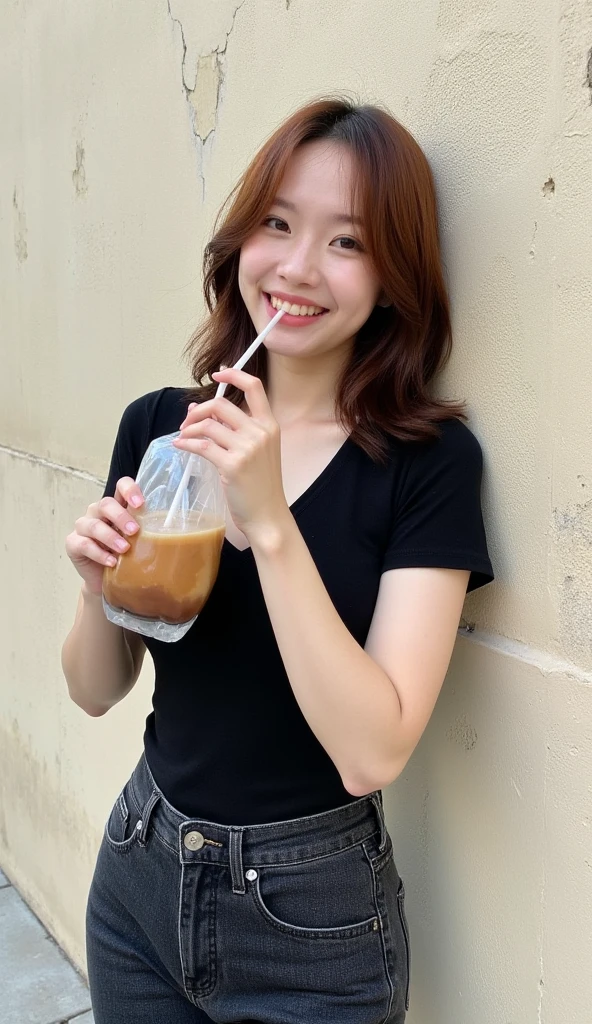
point(204, 97)
point(79, 172)
point(203, 80)
point(588, 80)
point(20, 230)
point(548, 188)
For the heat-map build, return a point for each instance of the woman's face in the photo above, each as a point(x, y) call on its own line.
point(308, 255)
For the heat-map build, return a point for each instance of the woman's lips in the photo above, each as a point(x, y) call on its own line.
point(290, 319)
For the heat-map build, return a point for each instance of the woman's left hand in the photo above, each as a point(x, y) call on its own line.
point(245, 449)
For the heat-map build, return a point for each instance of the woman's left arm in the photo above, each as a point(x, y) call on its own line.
point(367, 707)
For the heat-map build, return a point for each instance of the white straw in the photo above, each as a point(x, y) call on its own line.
point(192, 460)
point(251, 349)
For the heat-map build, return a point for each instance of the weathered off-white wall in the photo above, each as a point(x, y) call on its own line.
point(122, 128)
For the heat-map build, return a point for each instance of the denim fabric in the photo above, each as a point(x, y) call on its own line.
point(297, 922)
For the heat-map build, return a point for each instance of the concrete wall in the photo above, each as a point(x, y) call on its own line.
point(122, 128)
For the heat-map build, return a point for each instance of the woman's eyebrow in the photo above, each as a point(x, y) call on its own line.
point(336, 218)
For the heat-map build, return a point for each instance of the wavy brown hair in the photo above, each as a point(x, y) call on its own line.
point(384, 388)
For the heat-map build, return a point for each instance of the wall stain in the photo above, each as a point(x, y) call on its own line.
point(572, 529)
point(79, 172)
point(462, 733)
point(548, 188)
point(532, 250)
point(20, 230)
point(588, 80)
point(575, 520)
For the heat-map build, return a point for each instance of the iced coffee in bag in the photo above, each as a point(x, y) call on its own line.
point(160, 585)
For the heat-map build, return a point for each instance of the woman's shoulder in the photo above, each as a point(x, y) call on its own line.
point(156, 413)
point(455, 442)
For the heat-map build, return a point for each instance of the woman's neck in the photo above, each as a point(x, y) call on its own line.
point(303, 390)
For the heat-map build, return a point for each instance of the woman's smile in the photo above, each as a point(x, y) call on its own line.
point(300, 312)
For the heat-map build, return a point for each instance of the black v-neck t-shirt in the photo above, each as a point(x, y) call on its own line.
point(226, 740)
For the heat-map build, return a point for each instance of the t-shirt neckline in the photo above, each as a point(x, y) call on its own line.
point(317, 485)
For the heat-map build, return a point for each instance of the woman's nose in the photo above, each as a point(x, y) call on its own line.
point(299, 264)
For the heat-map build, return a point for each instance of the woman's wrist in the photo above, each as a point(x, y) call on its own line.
point(90, 596)
point(269, 539)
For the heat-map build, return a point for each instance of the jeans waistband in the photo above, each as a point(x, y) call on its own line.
point(283, 842)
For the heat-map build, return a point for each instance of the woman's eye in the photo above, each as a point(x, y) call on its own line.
point(345, 242)
point(276, 223)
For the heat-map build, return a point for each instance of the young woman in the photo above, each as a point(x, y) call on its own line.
point(246, 872)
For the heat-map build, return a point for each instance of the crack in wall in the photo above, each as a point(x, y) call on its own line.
point(38, 460)
point(588, 80)
point(203, 86)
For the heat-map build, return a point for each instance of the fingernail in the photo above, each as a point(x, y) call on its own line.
point(121, 545)
point(192, 405)
point(131, 527)
point(136, 500)
point(111, 560)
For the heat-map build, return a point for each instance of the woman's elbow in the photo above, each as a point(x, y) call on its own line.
point(363, 783)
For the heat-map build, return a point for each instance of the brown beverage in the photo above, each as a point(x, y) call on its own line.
point(167, 574)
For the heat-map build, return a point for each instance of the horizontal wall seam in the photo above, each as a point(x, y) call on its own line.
point(81, 474)
point(547, 664)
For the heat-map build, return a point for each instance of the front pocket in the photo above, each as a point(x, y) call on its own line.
point(123, 823)
point(403, 920)
point(330, 897)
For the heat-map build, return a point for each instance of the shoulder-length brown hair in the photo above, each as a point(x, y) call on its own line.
point(384, 389)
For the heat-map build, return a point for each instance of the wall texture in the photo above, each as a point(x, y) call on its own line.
point(122, 127)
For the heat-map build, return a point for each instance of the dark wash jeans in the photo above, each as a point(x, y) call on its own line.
point(297, 922)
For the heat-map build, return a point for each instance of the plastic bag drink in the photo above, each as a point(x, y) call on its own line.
point(160, 585)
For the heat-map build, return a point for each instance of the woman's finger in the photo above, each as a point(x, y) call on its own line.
point(128, 491)
point(85, 547)
point(110, 511)
point(222, 409)
point(208, 449)
point(100, 531)
point(253, 390)
point(218, 432)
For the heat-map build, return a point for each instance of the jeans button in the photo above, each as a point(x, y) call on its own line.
point(193, 840)
point(250, 875)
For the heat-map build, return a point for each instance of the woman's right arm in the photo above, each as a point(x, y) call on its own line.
point(101, 661)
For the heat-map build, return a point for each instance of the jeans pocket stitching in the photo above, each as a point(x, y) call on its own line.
point(120, 806)
point(375, 884)
point(405, 927)
point(380, 861)
point(371, 924)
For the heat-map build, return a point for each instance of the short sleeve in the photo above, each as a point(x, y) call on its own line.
point(130, 444)
point(438, 521)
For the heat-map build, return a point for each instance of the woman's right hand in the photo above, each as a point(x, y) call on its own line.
point(98, 536)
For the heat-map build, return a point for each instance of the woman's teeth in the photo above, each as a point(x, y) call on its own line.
point(295, 310)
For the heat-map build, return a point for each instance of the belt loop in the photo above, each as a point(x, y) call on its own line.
point(376, 799)
point(146, 815)
point(236, 861)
